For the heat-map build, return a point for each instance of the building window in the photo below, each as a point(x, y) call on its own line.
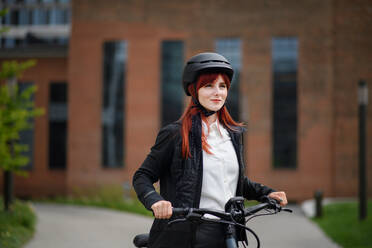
point(171, 77)
point(231, 50)
point(26, 137)
point(114, 74)
point(58, 100)
point(41, 22)
point(285, 64)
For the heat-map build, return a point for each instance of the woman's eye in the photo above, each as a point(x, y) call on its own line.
point(208, 85)
point(223, 85)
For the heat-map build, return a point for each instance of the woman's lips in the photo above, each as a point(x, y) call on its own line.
point(215, 100)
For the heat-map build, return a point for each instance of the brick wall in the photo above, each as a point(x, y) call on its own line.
point(352, 62)
point(144, 24)
point(334, 53)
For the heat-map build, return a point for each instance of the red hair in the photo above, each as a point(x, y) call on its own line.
point(186, 118)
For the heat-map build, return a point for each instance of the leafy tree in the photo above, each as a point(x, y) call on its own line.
point(16, 109)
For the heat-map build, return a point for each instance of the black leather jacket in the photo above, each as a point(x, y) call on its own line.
point(180, 183)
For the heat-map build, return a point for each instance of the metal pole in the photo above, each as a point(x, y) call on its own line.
point(8, 190)
point(363, 102)
point(318, 203)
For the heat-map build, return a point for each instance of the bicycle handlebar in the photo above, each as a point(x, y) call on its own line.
point(234, 215)
point(235, 211)
point(268, 204)
point(182, 212)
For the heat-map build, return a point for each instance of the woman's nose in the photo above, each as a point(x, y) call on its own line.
point(217, 91)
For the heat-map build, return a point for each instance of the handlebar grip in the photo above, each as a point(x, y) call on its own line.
point(179, 211)
point(274, 203)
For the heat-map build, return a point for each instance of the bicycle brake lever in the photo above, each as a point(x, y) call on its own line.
point(287, 210)
point(194, 217)
point(190, 217)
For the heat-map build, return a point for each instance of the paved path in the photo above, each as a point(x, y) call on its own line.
point(61, 226)
point(286, 230)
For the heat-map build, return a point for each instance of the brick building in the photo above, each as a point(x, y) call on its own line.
point(117, 81)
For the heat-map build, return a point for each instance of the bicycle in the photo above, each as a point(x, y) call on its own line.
point(235, 214)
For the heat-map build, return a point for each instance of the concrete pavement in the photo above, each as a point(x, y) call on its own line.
point(286, 230)
point(62, 226)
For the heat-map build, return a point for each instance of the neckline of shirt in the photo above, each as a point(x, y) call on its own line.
point(214, 129)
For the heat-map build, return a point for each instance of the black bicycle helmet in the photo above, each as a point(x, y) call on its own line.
point(204, 62)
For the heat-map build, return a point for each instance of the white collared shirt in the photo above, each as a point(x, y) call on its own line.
point(220, 169)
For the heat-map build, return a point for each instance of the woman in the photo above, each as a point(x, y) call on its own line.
point(198, 160)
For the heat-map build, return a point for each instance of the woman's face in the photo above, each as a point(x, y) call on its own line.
point(212, 96)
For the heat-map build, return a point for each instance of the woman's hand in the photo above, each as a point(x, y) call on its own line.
point(162, 209)
point(279, 196)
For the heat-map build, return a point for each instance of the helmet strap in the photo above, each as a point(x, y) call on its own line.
point(205, 112)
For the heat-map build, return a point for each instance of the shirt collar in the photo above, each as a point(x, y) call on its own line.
point(215, 129)
point(214, 125)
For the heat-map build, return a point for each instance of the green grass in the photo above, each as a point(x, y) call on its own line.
point(16, 226)
point(341, 223)
point(112, 197)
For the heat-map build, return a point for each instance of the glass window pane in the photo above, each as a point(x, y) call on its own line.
point(58, 16)
point(58, 125)
point(9, 42)
point(231, 50)
point(62, 41)
point(7, 18)
point(285, 60)
point(39, 17)
point(36, 12)
point(171, 90)
point(24, 17)
point(114, 64)
point(53, 16)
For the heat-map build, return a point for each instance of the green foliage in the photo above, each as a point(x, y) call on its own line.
point(17, 226)
point(12, 69)
point(3, 12)
point(16, 109)
point(341, 223)
point(3, 30)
